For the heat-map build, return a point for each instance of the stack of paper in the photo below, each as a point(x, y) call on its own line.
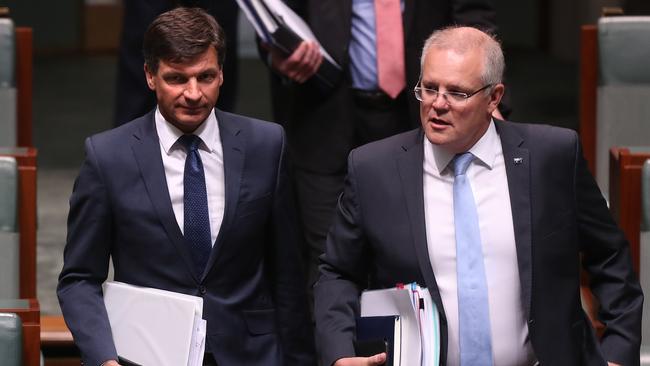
point(420, 323)
point(155, 327)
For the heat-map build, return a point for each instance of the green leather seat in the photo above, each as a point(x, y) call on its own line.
point(9, 236)
point(623, 111)
point(11, 334)
point(7, 83)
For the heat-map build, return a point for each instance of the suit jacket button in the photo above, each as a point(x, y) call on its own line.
point(202, 290)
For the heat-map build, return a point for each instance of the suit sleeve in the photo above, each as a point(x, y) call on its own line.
point(606, 257)
point(289, 285)
point(343, 273)
point(86, 260)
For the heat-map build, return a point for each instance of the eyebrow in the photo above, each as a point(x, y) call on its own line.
point(454, 87)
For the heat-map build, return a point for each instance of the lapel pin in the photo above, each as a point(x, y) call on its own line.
point(518, 160)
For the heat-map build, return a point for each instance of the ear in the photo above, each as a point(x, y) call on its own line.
point(150, 78)
point(495, 97)
point(220, 76)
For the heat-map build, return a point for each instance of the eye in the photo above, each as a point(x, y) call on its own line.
point(175, 79)
point(457, 96)
point(207, 78)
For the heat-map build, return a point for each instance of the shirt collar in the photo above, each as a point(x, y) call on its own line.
point(168, 134)
point(485, 150)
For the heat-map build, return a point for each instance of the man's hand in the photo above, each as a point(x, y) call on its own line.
point(111, 363)
point(612, 364)
point(301, 64)
point(376, 360)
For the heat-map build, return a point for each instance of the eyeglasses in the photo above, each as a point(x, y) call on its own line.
point(427, 95)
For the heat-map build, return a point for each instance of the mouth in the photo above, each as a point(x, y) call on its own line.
point(439, 123)
point(191, 110)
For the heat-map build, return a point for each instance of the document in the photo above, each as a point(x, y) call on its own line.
point(155, 327)
point(277, 24)
point(419, 318)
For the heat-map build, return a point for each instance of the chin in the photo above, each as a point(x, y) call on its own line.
point(436, 138)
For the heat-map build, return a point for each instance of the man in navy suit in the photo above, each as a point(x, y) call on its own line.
point(135, 201)
point(538, 215)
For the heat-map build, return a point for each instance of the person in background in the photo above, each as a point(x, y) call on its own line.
point(377, 44)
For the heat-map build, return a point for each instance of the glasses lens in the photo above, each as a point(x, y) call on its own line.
point(418, 93)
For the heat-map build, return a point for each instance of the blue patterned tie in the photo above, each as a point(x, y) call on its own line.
point(195, 198)
point(473, 315)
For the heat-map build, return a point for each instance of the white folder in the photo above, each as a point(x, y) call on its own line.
point(155, 327)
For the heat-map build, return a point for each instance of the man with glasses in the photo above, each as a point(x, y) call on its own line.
point(493, 217)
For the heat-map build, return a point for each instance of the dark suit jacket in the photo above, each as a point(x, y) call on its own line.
point(379, 238)
point(321, 126)
point(252, 288)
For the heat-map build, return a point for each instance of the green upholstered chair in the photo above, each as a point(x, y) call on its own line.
point(11, 334)
point(622, 108)
point(9, 237)
point(18, 241)
point(8, 92)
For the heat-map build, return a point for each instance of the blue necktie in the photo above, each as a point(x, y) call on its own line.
point(473, 316)
point(195, 199)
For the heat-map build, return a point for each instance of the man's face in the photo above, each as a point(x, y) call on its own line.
point(456, 126)
point(187, 91)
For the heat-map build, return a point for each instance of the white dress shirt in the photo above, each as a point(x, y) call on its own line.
point(487, 177)
point(211, 152)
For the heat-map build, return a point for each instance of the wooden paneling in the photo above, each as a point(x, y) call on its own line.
point(625, 195)
point(588, 89)
point(24, 84)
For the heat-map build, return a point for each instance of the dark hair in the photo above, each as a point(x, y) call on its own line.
point(180, 35)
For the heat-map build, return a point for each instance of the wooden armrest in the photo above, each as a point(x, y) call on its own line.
point(54, 332)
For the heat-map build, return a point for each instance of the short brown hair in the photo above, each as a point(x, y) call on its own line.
point(180, 35)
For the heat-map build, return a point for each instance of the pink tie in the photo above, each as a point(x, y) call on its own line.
point(390, 47)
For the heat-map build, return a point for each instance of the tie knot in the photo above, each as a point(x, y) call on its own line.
point(461, 163)
point(190, 142)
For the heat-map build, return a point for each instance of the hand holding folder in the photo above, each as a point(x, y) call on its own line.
point(277, 25)
point(405, 316)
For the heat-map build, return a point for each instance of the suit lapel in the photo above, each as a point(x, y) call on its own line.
point(517, 162)
point(409, 161)
point(146, 149)
point(233, 144)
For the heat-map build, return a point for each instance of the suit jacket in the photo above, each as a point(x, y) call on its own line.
point(326, 120)
point(253, 288)
point(379, 238)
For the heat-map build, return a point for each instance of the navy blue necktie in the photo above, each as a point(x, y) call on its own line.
point(475, 340)
point(195, 203)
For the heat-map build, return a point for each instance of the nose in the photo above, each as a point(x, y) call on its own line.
point(439, 102)
point(192, 91)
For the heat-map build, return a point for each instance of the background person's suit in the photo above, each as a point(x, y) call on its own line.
point(379, 238)
point(322, 127)
point(252, 288)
